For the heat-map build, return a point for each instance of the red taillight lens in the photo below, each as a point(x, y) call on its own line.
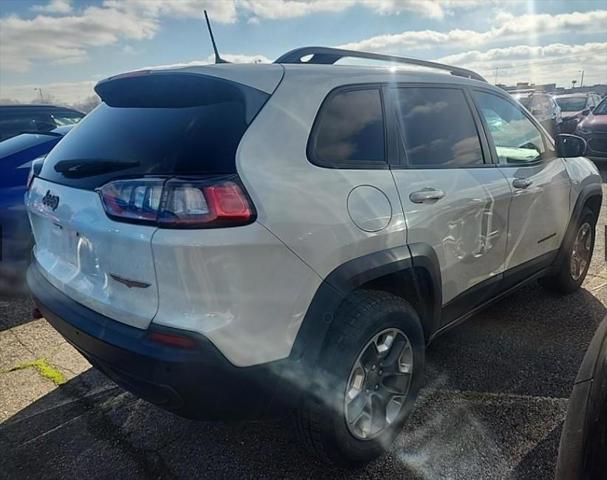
point(178, 203)
point(173, 340)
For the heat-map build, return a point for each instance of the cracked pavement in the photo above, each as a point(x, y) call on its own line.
point(493, 404)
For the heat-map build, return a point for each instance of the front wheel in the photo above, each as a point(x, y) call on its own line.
point(367, 380)
point(573, 268)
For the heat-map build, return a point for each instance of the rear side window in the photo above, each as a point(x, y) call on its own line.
point(437, 128)
point(158, 124)
point(349, 130)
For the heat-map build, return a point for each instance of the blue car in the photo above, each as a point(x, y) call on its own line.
point(16, 156)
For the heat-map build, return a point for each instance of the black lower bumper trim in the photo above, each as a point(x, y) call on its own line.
point(199, 383)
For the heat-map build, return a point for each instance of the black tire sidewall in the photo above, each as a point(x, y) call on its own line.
point(337, 363)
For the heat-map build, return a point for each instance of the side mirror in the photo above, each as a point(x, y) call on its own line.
point(570, 145)
point(536, 111)
point(585, 112)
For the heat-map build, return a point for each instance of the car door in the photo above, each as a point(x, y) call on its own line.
point(453, 198)
point(540, 185)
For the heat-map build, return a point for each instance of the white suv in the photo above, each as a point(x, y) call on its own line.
point(242, 240)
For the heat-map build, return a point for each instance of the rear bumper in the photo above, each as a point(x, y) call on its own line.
point(197, 383)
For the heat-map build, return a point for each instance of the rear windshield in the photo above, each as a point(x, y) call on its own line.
point(23, 142)
point(159, 124)
point(571, 104)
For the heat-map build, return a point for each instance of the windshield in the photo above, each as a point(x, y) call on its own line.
point(571, 104)
point(524, 100)
point(601, 108)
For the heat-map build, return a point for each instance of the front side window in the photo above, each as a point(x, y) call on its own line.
point(516, 139)
point(349, 130)
point(437, 128)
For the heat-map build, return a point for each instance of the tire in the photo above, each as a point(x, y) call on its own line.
point(564, 281)
point(321, 418)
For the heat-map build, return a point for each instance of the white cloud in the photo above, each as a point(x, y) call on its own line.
point(54, 6)
point(509, 27)
point(556, 62)
point(67, 39)
point(230, 57)
point(275, 9)
point(66, 93)
point(70, 93)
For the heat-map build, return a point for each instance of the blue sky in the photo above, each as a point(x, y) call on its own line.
point(65, 46)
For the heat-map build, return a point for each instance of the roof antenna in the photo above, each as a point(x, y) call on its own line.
point(218, 59)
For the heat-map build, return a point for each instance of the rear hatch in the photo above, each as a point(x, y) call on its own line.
point(151, 127)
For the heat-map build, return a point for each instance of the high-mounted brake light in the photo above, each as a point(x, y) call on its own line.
point(178, 202)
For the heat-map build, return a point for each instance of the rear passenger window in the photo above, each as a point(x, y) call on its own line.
point(349, 130)
point(437, 128)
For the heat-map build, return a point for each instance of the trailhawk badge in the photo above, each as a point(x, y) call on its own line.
point(50, 200)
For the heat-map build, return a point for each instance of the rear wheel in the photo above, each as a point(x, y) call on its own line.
point(573, 268)
point(368, 379)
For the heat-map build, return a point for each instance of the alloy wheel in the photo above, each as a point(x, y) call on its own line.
point(581, 251)
point(379, 384)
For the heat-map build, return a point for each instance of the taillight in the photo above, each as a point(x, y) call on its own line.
point(178, 202)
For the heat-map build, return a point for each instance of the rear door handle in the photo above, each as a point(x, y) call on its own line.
point(521, 183)
point(426, 195)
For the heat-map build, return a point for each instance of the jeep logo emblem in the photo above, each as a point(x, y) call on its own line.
point(50, 200)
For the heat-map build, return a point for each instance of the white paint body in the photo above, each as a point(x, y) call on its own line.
point(247, 289)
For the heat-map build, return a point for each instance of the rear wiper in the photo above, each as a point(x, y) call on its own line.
point(91, 167)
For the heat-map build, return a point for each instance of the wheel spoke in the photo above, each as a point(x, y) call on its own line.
point(378, 413)
point(384, 342)
point(397, 383)
point(356, 408)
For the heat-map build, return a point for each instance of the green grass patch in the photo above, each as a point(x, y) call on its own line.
point(45, 369)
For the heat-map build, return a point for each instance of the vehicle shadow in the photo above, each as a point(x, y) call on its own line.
point(529, 344)
point(15, 310)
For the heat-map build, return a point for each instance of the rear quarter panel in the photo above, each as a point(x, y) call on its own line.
point(305, 205)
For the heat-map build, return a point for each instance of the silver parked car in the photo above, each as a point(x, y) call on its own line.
point(543, 107)
point(244, 240)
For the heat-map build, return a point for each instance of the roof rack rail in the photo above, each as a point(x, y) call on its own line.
point(328, 56)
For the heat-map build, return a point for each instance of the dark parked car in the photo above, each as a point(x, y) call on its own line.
point(593, 128)
point(15, 119)
point(16, 156)
point(582, 453)
point(574, 107)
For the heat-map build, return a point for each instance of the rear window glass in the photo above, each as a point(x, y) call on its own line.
point(12, 124)
point(349, 131)
point(170, 124)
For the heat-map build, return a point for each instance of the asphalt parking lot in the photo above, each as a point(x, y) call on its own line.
point(495, 398)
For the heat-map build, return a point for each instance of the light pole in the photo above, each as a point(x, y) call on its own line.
point(582, 79)
point(40, 92)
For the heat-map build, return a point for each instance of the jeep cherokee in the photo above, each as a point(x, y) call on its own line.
point(235, 241)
